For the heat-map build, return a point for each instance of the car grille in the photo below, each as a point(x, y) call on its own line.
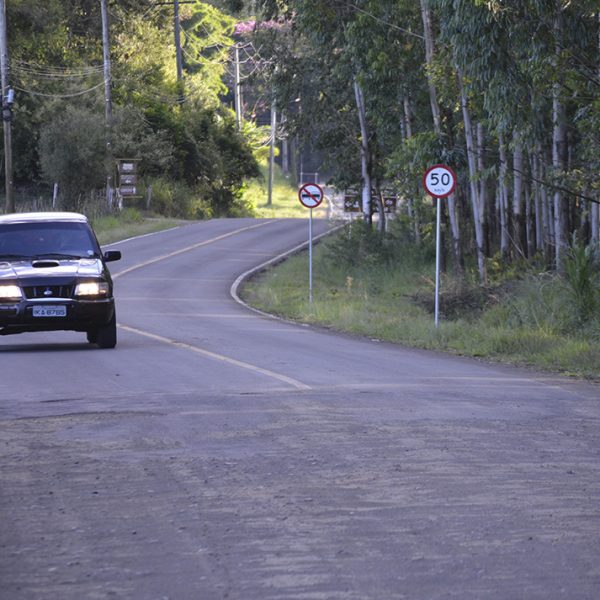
point(48, 291)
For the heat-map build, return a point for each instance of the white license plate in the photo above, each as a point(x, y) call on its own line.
point(49, 311)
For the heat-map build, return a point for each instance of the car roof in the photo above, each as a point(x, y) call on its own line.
point(43, 217)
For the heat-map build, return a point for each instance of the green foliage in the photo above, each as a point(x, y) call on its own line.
point(59, 130)
point(72, 150)
point(284, 200)
point(360, 247)
point(525, 322)
point(582, 275)
point(207, 40)
point(134, 138)
point(357, 245)
point(178, 200)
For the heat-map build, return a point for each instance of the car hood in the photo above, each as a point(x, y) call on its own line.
point(27, 269)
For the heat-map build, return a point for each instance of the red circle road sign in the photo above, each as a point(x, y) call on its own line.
point(439, 181)
point(310, 195)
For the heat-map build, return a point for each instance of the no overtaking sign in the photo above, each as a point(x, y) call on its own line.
point(310, 195)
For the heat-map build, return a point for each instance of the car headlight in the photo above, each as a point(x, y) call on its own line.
point(92, 288)
point(10, 293)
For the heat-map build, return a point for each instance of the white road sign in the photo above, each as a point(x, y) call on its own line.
point(439, 181)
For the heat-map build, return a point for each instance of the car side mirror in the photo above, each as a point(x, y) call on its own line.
point(112, 255)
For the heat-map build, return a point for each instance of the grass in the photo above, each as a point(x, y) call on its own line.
point(531, 322)
point(527, 323)
point(284, 202)
point(130, 223)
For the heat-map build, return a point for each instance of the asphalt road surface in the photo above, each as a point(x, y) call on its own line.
point(220, 454)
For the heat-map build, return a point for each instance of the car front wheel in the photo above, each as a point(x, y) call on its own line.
point(105, 336)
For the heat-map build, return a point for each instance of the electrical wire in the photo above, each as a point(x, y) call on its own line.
point(51, 71)
point(72, 95)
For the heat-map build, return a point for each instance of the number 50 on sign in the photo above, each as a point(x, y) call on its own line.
point(439, 181)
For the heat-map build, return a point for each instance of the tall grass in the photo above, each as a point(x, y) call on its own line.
point(528, 321)
point(284, 201)
point(582, 275)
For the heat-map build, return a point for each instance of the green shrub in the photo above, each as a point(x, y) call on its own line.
point(582, 269)
point(72, 152)
point(176, 199)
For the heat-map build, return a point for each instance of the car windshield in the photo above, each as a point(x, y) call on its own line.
point(47, 240)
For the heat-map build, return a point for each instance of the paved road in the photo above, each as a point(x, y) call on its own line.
point(220, 454)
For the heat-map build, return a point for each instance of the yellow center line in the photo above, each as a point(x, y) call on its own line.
point(188, 248)
point(226, 359)
point(207, 353)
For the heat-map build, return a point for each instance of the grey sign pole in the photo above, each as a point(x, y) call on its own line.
point(310, 195)
point(310, 257)
point(439, 182)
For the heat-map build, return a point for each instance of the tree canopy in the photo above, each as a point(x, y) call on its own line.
point(180, 131)
point(507, 92)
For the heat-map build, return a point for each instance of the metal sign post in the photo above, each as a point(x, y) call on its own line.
point(439, 182)
point(310, 259)
point(310, 195)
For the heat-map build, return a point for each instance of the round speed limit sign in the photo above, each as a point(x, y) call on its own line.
point(439, 181)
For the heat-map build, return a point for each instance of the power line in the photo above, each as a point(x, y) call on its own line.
point(71, 95)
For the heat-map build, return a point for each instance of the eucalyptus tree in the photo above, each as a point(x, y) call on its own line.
point(318, 85)
point(512, 88)
point(353, 65)
point(522, 64)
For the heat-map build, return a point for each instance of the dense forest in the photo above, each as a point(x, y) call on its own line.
point(69, 127)
point(507, 92)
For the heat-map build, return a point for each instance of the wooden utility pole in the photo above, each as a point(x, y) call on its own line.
point(237, 93)
point(107, 100)
point(272, 151)
point(6, 113)
point(177, 30)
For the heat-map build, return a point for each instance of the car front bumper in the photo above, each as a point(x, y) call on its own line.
point(81, 315)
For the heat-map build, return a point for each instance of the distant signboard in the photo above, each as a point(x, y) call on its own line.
point(353, 202)
point(127, 177)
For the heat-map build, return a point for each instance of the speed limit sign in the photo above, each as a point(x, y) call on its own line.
point(439, 181)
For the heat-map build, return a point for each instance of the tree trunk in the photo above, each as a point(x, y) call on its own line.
point(381, 224)
point(559, 150)
point(529, 231)
point(365, 158)
point(537, 200)
point(595, 222)
point(503, 204)
point(429, 51)
point(518, 223)
point(437, 125)
point(595, 208)
point(475, 198)
point(483, 185)
point(413, 212)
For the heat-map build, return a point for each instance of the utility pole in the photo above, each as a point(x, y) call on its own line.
point(272, 151)
point(107, 100)
point(237, 92)
point(6, 111)
point(177, 29)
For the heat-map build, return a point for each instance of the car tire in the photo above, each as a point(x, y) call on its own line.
point(92, 336)
point(106, 336)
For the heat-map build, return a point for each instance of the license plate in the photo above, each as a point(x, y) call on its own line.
point(49, 311)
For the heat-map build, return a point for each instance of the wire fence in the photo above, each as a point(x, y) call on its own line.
point(93, 204)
